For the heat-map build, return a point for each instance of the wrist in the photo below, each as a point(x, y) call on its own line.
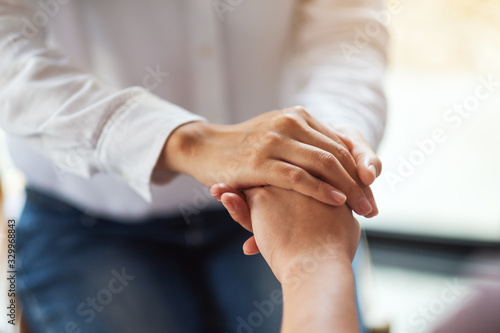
point(182, 145)
point(307, 266)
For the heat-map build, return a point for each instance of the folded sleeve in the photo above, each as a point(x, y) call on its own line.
point(83, 125)
point(335, 69)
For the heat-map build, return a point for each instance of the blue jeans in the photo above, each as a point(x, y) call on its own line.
point(77, 273)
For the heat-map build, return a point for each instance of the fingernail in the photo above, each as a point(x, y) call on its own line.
point(213, 192)
point(338, 197)
point(364, 207)
point(374, 206)
point(373, 170)
point(229, 206)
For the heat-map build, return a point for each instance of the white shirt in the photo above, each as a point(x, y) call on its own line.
point(90, 90)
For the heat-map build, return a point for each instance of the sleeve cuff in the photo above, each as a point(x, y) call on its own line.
point(133, 139)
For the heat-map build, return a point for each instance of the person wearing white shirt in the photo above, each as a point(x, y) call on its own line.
point(121, 113)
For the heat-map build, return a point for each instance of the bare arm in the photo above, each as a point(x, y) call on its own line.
point(325, 302)
point(309, 246)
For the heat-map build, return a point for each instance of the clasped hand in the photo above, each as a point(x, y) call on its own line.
point(288, 149)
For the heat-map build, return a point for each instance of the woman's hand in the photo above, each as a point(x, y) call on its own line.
point(309, 246)
point(289, 227)
point(368, 164)
point(288, 149)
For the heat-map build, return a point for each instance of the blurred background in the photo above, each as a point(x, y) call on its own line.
point(442, 54)
point(438, 232)
point(438, 195)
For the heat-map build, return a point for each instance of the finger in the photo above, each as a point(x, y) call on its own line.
point(346, 158)
point(325, 138)
point(250, 247)
point(218, 189)
point(368, 163)
point(299, 122)
point(325, 165)
point(238, 209)
point(307, 120)
point(288, 176)
point(348, 142)
point(302, 127)
point(373, 203)
point(339, 150)
point(329, 132)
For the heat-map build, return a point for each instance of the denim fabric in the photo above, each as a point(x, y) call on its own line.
point(77, 273)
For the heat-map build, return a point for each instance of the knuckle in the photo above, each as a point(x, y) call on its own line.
point(259, 195)
point(271, 139)
point(286, 121)
point(348, 143)
point(300, 111)
point(320, 187)
point(343, 154)
point(255, 158)
point(295, 176)
point(256, 161)
point(324, 159)
point(345, 157)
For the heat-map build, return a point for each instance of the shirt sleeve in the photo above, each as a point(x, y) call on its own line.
point(83, 125)
point(336, 67)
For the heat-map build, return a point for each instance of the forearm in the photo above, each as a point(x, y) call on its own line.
point(310, 247)
point(323, 301)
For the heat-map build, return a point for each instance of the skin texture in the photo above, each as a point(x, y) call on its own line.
point(368, 167)
point(288, 149)
point(309, 246)
point(283, 176)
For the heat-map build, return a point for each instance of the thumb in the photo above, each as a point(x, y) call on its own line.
point(368, 164)
point(250, 247)
point(238, 209)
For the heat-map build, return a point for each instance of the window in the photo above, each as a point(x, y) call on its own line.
point(441, 151)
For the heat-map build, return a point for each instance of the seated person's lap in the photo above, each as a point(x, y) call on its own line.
point(76, 272)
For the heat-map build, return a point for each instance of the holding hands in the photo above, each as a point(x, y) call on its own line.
point(295, 185)
point(309, 246)
point(361, 164)
point(289, 226)
point(288, 149)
